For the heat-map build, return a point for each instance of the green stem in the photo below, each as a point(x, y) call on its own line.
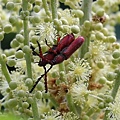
point(4, 69)
point(54, 9)
point(61, 70)
point(86, 7)
point(114, 91)
point(61, 66)
point(90, 111)
point(35, 109)
point(71, 104)
point(26, 41)
point(53, 101)
point(28, 56)
point(116, 85)
point(45, 5)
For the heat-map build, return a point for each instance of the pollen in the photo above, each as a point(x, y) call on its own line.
point(45, 30)
point(80, 69)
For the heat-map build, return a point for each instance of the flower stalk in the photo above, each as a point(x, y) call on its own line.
point(54, 8)
point(4, 69)
point(54, 16)
point(28, 55)
point(62, 70)
point(35, 109)
point(116, 85)
point(26, 39)
point(86, 8)
point(46, 7)
point(114, 91)
point(71, 104)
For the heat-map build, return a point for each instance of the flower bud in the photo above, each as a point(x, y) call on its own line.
point(26, 49)
point(7, 28)
point(19, 38)
point(75, 29)
point(11, 62)
point(25, 105)
point(57, 22)
point(98, 26)
point(30, 100)
point(100, 12)
point(110, 76)
point(21, 93)
point(10, 5)
point(99, 36)
point(34, 38)
point(100, 64)
point(19, 54)
point(12, 103)
point(102, 80)
point(108, 98)
point(78, 13)
point(87, 24)
point(101, 105)
point(13, 85)
point(14, 43)
point(12, 19)
point(64, 21)
point(115, 61)
point(36, 8)
point(28, 82)
point(38, 95)
point(116, 54)
point(101, 2)
point(111, 39)
point(1, 36)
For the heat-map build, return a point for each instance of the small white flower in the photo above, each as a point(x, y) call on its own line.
point(70, 116)
point(73, 3)
point(79, 92)
point(115, 108)
point(111, 2)
point(46, 31)
point(80, 69)
point(96, 49)
point(52, 115)
point(66, 14)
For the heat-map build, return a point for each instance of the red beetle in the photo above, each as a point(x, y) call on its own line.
point(55, 50)
point(67, 51)
point(57, 54)
point(64, 42)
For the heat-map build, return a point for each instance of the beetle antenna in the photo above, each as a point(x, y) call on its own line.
point(40, 79)
point(33, 50)
point(40, 50)
point(47, 43)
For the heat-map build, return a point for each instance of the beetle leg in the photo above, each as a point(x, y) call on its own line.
point(47, 43)
point(40, 79)
point(41, 54)
point(46, 88)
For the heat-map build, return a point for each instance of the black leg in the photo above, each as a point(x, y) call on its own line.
point(46, 88)
point(39, 79)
